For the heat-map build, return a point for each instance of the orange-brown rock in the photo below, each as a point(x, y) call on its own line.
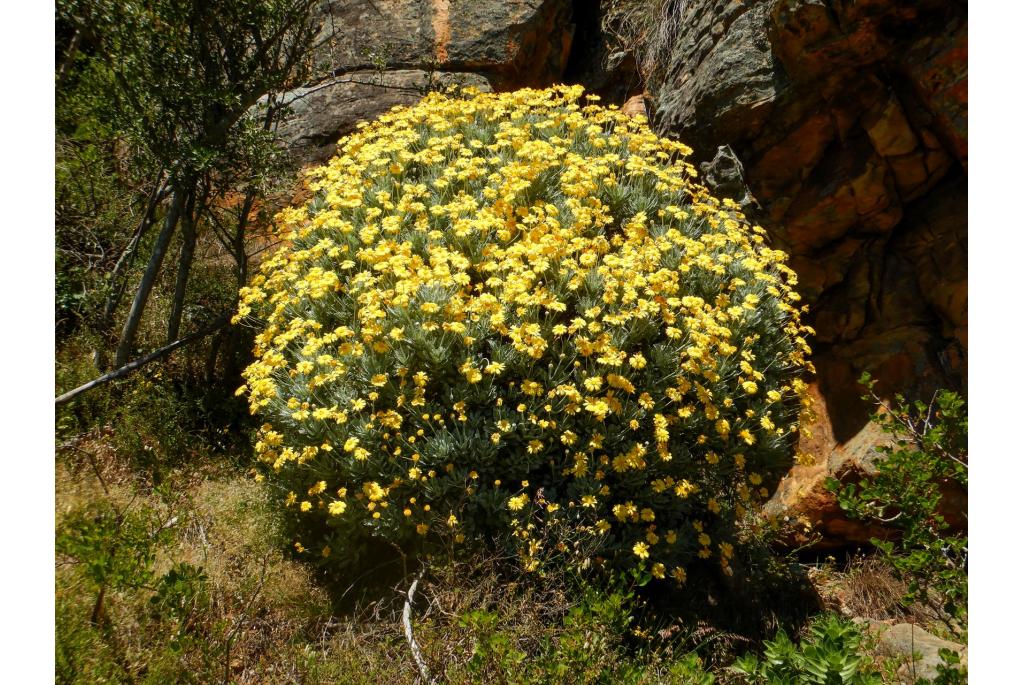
point(808, 514)
point(635, 106)
point(846, 118)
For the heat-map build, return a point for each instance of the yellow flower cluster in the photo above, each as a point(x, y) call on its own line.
point(519, 311)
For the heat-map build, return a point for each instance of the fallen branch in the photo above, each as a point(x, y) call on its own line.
point(218, 324)
point(417, 655)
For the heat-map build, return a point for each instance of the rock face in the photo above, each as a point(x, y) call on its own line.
point(849, 125)
point(383, 53)
point(839, 126)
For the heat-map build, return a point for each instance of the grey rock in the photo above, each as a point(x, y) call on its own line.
point(320, 115)
point(383, 53)
point(722, 80)
point(724, 176)
point(916, 648)
point(522, 43)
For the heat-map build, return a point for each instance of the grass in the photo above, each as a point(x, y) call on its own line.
point(224, 599)
point(251, 602)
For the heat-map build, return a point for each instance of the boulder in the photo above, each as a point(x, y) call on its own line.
point(512, 44)
point(843, 444)
point(807, 513)
point(915, 648)
point(321, 114)
point(721, 82)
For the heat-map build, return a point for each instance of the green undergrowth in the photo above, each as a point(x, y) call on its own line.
point(154, 586)
point(199, 585)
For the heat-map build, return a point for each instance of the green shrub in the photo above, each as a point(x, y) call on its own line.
point(513, 313)
point(949, 672)
point(830, 656)
point(589, 647)
point(114, 550)
point(927, 455)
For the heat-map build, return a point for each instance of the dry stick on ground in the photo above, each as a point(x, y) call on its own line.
point(218, 324)
point(417, 655)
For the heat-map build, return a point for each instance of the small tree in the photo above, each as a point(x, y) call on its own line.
point(183, 78)
point(926, 458)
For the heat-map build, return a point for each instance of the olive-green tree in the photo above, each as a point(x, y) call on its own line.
point(183, 82)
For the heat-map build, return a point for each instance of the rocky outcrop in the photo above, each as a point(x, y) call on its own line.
point(391, 52)
point(847, 124)
point(844, 117)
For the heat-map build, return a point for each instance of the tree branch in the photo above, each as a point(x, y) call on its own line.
point(219, 323)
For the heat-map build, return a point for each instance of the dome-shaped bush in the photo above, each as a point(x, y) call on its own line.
point(505, 314)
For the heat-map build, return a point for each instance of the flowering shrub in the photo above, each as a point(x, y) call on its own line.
point(514, 313)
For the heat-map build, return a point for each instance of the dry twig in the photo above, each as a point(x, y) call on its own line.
point(417, 655)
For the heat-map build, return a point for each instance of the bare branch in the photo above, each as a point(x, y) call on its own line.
point(219, 323)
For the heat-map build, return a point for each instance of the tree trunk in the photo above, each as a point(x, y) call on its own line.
point(188, 249)
point(156, 259)
point(233, 354)
point(210, 368)
point(69, 56)
point(118, 285)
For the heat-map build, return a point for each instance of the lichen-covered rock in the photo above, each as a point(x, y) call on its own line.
point(722, 79)
point(512, 44)
point(321, 114)
point(391, 52)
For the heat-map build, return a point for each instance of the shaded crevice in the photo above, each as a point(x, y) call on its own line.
point(593, 64)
